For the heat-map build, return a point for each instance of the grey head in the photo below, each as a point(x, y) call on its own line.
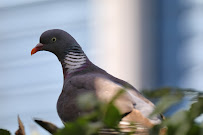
point(58, 42)
point(65, 47)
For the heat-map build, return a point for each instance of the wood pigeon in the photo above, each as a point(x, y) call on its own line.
point(81, 76)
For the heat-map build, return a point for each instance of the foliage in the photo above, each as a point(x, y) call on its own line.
point(182, 122)
point(4, 132)
point(101, 118)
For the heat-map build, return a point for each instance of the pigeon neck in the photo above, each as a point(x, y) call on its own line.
point(73, 61)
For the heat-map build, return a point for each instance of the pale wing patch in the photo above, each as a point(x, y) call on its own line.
point(106, 90)
point(145, 108)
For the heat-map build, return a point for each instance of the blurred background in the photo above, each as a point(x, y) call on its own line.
point(150, 44)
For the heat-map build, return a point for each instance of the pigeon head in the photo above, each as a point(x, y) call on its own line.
point(56, 41)
point(65, 47)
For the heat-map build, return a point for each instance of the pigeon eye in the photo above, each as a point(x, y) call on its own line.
point(53, 39)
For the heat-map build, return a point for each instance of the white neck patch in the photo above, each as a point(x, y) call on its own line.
point(74, 61)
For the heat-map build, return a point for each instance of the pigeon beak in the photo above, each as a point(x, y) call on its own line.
point(37, 48)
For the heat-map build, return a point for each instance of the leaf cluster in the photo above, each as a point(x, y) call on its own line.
point(103, 118)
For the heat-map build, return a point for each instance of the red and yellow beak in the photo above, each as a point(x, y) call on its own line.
point(37, 48)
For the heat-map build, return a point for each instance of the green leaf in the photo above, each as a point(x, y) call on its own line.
point(87, 101)
point(164, 103)
point(112, 116)
point(4, 132)
point(195, 130)
point(196, 108)
point(74, 128)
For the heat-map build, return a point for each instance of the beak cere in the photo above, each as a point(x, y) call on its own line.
point(37, 48)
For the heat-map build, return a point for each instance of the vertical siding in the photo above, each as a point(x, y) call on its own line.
point(30, 86)
point(191, 56)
